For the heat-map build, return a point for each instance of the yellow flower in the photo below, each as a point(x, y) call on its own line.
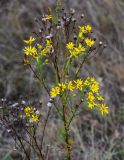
point(35, 118)
point(55, 91)
point(90, 97)
point(70, 45)
point(82, 29)
point(81, 48)
point(70, 86)
point(91, 105)
point(74, 53)
point(88, 28)
point(80, 35)
point(48, 17)
point(39, 46)
point(77, 50)
point(30, 50)
point(78, 84)
point(62, 86)
point(48, 43)
point(85, 29)
point(73, 94)
point(104, 109)
point(46, 61)
point(99, 97)
point(89, 42)
point(89, 81)
point(94, 87)
point(27, 111)
point(30, 40)
point(45, 51)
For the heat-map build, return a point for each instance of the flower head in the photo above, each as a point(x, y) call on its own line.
point(89, 42)
point(44, 52)
point(30, 40)
point(79, 84)
point(88, 28)
point(94, 87)
point(82, 29)
point(27, 111)
point(80, 35)
point(81, 48)
point(48, 17)
point(48, 43)
point(70, 45)
point(104, 109)
point(30, 50)
point(91, 105)
point(99, 97)
point(90, 97)
point(62, 86)
point(35, 117)
point(55, 91)
point(70, 86)
point(39, 46)
point(74, 53)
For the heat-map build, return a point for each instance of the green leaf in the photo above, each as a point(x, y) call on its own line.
point(39, 66)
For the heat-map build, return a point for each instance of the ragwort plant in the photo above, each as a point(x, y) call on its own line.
point(65, 44)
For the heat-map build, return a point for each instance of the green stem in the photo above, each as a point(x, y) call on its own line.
point(67, 136)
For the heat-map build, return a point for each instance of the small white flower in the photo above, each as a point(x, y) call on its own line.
point(21, 116)
point(37, 112)
point(15, 104)
point(49, 36)
point(72, 11)
point(27, 124)
point(49, 104)
point(30, 120)
point(8, 130)
point(23, 102)
point(3, 99)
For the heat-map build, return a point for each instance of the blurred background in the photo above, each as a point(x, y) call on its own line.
point(107, 18)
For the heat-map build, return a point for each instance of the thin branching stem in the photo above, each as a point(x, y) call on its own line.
point(44, 128)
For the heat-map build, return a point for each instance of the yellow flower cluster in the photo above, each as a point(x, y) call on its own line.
point(58, 89)
point(89, 87)
point(48, 46)
point(78, 48)
point(93, 97)
point(75, 51)
point(71, 85)
point(83, 32)
point(37, 51)
point(30, 50)
point(31, 114)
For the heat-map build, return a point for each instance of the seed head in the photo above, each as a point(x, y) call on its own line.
point(82, 16)
point(100, 43)
point(72, 11)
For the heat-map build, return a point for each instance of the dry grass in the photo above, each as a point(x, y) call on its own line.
point(95, 138)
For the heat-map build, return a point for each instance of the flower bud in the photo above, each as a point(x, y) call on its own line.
point(82, 16)
point(72, 11)
point(100, 43)
point(105, 46)
point(49, 104)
